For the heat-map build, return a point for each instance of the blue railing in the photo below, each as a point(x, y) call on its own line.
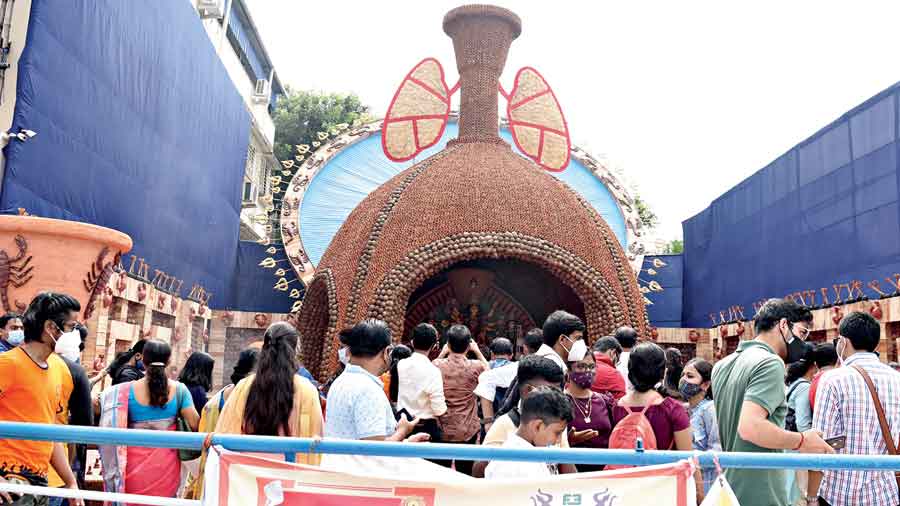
point(290, 446)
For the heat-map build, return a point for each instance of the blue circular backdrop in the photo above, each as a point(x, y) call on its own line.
point(358, 169)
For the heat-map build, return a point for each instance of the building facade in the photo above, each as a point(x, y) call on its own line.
point(237, 42)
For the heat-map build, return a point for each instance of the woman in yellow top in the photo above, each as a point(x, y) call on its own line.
point(275, 401)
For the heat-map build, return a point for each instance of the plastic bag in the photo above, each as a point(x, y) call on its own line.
point(720, 494)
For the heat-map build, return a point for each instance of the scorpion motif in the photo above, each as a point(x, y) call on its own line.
point(97, 279)
point(541, 499)
point(14, 271)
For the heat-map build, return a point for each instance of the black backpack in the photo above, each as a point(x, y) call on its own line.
point(790, 420)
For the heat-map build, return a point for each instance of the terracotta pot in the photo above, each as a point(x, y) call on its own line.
point(43, 254)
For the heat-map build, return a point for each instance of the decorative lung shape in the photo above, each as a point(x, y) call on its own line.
point(418, 113)
point(537, 122)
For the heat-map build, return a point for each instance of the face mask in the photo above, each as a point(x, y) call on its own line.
point(67, 346)
point(577, 351)
point(583, 379)
point(840, 351)
point(16, 337)
point(796, 348)
point(343, 357)
point(688, 390)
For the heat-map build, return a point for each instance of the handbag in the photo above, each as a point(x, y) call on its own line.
point(181, 425)
point(882, 420)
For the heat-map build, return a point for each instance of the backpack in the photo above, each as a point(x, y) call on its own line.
point(625, 434)
point(790, 420)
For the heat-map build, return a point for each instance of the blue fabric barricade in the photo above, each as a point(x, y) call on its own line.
point(825, 213)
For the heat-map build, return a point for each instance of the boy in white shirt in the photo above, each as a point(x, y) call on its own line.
point(545, 415)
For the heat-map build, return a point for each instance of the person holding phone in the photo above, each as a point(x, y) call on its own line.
point(847, 405)
point(459, 423)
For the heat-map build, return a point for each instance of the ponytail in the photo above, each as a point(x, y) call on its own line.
point(271, 397)
point(156, 355)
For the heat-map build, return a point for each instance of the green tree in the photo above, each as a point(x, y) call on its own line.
point(674, 247)
point(302, 114)
point(648, 218)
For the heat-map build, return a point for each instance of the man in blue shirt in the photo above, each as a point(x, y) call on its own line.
point(12, 333)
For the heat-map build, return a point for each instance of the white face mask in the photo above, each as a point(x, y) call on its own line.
point(68, 344)
point(577, 351)
point(343, 356)
point(840, 351)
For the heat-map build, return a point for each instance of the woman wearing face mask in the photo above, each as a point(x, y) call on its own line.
point(695, 387)
point(591, 412)
point(357, 406)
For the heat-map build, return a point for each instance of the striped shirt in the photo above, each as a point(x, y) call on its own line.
point(844, 407)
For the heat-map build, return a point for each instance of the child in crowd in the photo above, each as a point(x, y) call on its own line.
point(545, 415)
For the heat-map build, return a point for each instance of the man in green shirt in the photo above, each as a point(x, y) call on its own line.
point(750, 403)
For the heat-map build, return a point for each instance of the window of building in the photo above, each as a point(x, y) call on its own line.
point(264, 171)
point(248, 191)
point(250, 169)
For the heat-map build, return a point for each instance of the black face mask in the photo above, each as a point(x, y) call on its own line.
point(796, 348)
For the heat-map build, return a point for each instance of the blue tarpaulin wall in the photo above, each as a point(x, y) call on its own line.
point(139, 128)
point(825, 212)
point(252, 286)
point(665, 307)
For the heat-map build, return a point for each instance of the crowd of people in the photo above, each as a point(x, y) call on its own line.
point(774, 393)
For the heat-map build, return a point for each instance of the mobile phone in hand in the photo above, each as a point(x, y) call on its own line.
point(837, 442)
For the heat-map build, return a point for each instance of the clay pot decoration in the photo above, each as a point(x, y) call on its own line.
point(876, 311)
point(107, 297)
point(202, 309)
point(723, 330)
point(838, 314)
point(193, 312)
point(694, 335)
point(173, 304)
point(98, 362)
point(261, 320)
point(227, 318)
point(160, 302)
point(121, 284)
point(741, 329)
point(142, 292)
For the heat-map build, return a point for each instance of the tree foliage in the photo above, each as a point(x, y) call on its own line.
point(674, 247)
point(301, 114)
point(648, 218)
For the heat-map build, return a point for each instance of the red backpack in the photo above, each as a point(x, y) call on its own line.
point(625, 434)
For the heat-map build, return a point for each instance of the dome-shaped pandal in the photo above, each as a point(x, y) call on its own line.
point(476, 199)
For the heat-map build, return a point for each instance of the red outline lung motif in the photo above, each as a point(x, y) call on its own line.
point(540, 120)
point(542, 127)
point(404, 97)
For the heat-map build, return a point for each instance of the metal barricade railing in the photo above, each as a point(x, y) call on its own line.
point(291, 446)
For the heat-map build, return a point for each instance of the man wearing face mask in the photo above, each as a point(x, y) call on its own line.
point(11, 331)
point(845, 407)
point(133, 370)
point(35, 386)
point(563, 339)
point(750, 401)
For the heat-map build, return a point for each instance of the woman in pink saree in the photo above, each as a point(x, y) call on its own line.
point(153, 403)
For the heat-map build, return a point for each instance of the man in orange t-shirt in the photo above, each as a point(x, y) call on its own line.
point(33, 384)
